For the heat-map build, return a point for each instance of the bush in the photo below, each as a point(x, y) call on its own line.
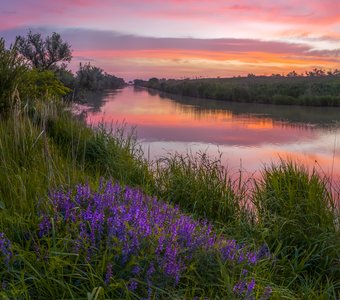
point(42, 85)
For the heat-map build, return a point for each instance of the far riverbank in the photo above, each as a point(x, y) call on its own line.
point(296, 90)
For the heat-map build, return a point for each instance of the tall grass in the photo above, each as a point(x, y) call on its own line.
point(198, 185)
point(297, 214)
point(44, 147)
point(110, 153)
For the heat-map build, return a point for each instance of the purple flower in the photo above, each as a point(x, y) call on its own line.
point(252, 257)
point(243, 289)
point(133, 229)
point(44, 226)
point(133, 284)
point(5, 249)
point(108, 274)
point(136, 270)
point(267, 293)
point(250, 287)
point(263, 252)
point(239, 288)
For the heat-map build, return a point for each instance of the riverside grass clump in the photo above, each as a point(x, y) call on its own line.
point(128, 245)
point(198, 185)
point(298, 215)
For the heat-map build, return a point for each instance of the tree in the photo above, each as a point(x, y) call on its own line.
point(292, 74)
point(44, 54)
point(316, 72)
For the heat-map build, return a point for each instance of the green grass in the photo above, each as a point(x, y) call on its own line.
point(297, 214)
point(44, 148)
point(198, 185)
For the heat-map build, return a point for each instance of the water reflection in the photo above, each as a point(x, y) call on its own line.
point(304, 115)
point(248, 135)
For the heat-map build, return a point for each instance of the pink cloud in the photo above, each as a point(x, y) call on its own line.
point(311, 12)
point(159, 32)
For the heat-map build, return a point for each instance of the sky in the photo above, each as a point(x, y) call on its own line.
point(192, 38)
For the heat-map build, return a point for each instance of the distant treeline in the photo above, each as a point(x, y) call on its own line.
point(316, 88)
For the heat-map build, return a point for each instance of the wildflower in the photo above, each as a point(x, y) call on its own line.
point(129, 225)
point(45, 226)
point(250, 287)
point(133, 284)
point(267, 293)
point(239, 288)
point(108, 274)
point(263, 252)
point(252, 257)
point(5, 249)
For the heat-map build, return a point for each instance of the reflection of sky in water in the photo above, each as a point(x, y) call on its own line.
point(247, 135)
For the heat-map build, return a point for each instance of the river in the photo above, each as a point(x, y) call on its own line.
point(249, 136)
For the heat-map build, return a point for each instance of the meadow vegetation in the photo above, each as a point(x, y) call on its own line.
point(83, 215)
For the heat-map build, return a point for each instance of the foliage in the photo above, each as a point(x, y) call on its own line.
point(12, 70)
point(19, 83)
point(93, 78)
point(43, 85)
point(318, 88)
point(44, 54)
point(66, 77)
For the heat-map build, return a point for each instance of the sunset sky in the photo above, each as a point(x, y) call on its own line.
point(191, 38)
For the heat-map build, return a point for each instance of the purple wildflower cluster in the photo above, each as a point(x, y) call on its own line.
point(5, 249)
point(151, 237)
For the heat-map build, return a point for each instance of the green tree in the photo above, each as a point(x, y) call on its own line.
point(44, 54)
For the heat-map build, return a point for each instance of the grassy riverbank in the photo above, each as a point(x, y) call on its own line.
point(79, 220)
point(297, 90)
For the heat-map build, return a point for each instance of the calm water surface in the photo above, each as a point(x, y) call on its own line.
point(249, 136)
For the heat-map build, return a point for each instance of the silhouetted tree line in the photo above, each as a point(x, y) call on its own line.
point(316, 88)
